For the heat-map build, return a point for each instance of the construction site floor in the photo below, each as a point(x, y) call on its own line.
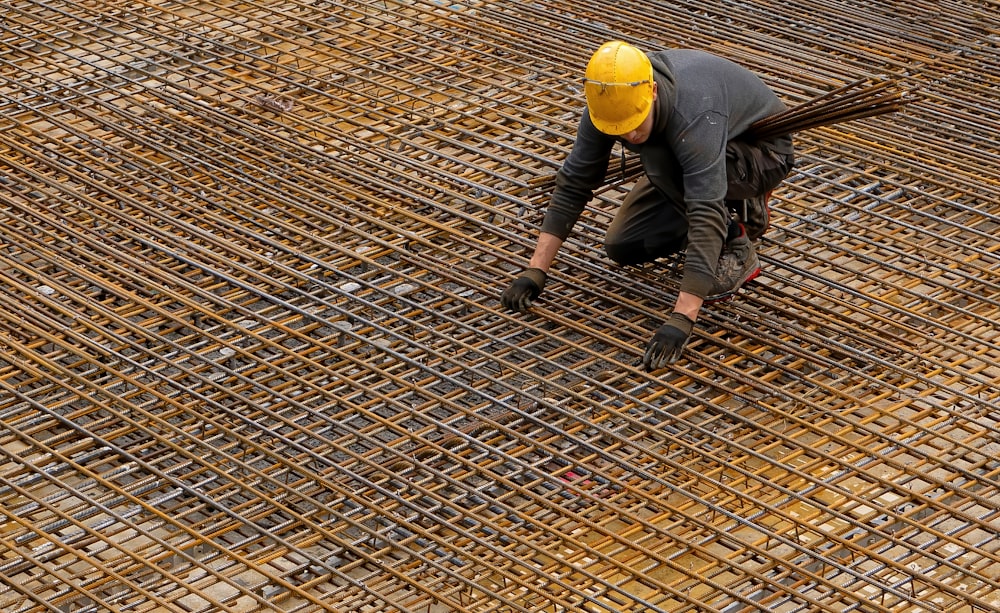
point(252, 355)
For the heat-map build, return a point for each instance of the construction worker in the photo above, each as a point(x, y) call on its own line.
point(704, 189)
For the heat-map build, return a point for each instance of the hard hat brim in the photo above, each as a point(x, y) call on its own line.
point(622, 126)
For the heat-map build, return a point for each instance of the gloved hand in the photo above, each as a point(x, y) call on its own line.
point(667, 344)
point(523, 291)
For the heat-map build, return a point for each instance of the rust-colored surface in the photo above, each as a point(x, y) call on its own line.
point(252, 356)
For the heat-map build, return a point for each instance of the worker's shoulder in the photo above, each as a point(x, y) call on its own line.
point(683, 58)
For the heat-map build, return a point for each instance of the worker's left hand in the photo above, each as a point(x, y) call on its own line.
point(668, 342)
point(523, 291)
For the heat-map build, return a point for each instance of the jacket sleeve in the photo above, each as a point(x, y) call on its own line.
point(702, 155)
point(707, 228)
point(581, 173)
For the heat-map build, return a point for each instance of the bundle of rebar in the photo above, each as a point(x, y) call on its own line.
point(858, 100)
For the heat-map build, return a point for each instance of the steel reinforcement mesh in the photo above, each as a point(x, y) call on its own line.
point(252, 356)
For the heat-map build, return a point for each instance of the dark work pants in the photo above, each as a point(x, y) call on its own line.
point(651, 225)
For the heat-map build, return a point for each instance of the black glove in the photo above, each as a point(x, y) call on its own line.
point(523, 291)
point(667, 344)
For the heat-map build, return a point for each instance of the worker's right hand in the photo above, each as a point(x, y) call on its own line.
point(523, 291)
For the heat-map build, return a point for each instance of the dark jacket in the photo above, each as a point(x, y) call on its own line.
point(703, 101)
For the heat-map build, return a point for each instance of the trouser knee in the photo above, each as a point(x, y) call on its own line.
point(646, 250)
point(625, 254)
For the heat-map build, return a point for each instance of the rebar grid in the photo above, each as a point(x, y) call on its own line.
point(253, 357)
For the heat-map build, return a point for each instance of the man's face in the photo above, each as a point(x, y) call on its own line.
point(641, 134)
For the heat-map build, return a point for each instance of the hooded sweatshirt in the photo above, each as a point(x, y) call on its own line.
point(703, 101)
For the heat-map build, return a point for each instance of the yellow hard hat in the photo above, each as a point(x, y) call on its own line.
point(619, 88)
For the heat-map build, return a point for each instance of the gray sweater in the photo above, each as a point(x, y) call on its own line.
point(703, 101)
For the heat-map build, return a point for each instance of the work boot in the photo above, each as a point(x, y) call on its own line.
point(756, 215)
point(737, 265)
